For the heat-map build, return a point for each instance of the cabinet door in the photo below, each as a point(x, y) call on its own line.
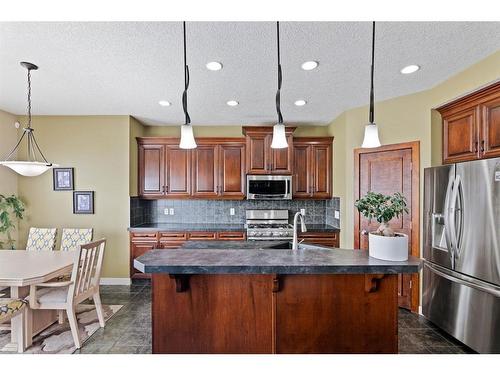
point(257, 152)
point(460, 136)
point(232, 171)
point(205, 180)
point(151, 170)
point(178, 172)
point(281, 159)
point(137, 248)
point(490, 140)
point(321, 171)
point(302, 182)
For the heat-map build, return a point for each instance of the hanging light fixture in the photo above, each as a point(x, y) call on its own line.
point(279, 136)
point(187, 137)
point(36, 163)
point(371, 139)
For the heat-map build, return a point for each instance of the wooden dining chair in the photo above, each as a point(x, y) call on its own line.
point(41, 239)
point(73, 237)
point(10, 308)
point(84, 284)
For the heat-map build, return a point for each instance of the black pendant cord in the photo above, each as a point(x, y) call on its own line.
point(278, 93)
point(372, 111)
point(186, 81)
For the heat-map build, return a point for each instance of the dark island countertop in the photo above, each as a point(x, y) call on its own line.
point(257, 257)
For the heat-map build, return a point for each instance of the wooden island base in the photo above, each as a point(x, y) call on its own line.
point(238, 313)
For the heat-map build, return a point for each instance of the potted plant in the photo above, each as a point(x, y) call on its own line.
point(11, 209)
point(384, 243)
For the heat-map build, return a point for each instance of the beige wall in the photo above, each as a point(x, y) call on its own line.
point(8, 139)
point(97, 147)
point(402, 119)
point(136, 130)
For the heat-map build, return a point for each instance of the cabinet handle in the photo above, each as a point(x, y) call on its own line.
point(482, 145)
point(475, 146)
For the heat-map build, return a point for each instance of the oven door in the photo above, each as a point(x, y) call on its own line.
point(269, 187)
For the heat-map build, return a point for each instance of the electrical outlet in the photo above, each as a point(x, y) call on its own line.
point(171, 211)
point(231, 211)
point(165, 211)
point(337, 214)
point(303, 211)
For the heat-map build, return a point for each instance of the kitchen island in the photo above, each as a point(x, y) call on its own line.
point(262, 297)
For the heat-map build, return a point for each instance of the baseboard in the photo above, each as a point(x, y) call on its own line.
point(115, 281)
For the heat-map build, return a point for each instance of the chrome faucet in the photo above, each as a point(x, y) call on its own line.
point(295, 244)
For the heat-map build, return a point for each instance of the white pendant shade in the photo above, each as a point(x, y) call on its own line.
point(371, 139)
point(279, 137)
point(28, 168)
point(187, 137)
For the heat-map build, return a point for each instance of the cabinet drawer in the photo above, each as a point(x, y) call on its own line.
point(202, 236)
point(144, 236)
point(318, 235)
point(171, 244)
point(231, 236)
point(173, 236)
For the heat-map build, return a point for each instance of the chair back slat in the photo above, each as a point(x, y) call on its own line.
point(87, 267)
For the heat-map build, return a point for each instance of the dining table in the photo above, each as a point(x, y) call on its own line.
point(19, 269)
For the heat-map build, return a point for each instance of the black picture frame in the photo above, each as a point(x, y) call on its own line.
point(83, 202)
point(62, 179)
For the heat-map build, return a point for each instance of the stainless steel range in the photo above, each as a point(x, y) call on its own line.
point(268, 225)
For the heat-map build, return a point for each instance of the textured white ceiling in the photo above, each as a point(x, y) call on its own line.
point(122, 68)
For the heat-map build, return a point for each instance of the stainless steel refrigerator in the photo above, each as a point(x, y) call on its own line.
point(461, 274)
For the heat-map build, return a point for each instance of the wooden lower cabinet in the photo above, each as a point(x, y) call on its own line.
point(140, 243)
point(330, 239)
point(236, 314)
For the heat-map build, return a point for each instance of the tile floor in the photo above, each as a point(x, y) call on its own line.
point(129, 331)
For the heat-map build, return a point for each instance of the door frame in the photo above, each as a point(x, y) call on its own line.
point(414, 146)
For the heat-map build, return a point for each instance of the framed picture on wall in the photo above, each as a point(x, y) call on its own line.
point(63, 178)
point(83, 202)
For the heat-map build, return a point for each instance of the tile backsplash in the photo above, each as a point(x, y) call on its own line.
point(144, 211)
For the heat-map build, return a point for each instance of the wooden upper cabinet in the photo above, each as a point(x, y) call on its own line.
point(151, 170)
point(232, 170)
point(177, 172)
point(313, 168)
point(205, 171)
point(471, 126)
point(490, 143)
point(261, 158)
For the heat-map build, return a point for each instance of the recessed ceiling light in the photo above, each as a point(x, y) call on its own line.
point(300, 102)
point(214, 65)
point(410, 69)
point(232, 103)
point(164, 103)
point(310, 65)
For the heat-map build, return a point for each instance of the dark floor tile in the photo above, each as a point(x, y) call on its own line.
point(447, 350)
point(129, 349)
point(427, 338)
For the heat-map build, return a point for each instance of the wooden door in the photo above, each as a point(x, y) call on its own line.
point(151, 170)
point(257, 153)
point(490, 137)
point(178, 172)
point(281, 159)
point(232, 170)
point(387, 170)
point(205, 180)
point(321, 171)
point(460, 136)
point(302, 182)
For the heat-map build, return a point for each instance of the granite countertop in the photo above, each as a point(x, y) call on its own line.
point(215, 227)
point(257, 257)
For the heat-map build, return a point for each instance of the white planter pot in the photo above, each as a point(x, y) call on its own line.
point(388, 248)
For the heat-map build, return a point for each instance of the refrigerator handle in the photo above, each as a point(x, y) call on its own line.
point(463, 280)
point(446, 218)
point(452, 216)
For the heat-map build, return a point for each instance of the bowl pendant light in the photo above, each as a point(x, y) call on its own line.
point(36, 163)
point(187, 136)
point(371, 139)
point(279, 135)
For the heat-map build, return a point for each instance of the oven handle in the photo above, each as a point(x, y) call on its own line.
point(464, 280)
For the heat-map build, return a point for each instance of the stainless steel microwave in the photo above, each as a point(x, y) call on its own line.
point(267, 187)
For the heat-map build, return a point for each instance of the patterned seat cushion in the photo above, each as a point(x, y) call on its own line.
point(72, 238)
point(41, 239)
point(8, 307)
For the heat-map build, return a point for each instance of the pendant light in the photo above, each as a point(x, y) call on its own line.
point(36, 163)
point(371, 139)
point(187, 137)
point(279, 136)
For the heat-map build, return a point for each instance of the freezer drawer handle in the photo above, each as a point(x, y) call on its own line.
point(483, 287)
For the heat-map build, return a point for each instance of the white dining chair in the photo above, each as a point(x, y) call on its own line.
point(40, 239)
point(10, 308)
point(84, 283)
point(73, 237)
